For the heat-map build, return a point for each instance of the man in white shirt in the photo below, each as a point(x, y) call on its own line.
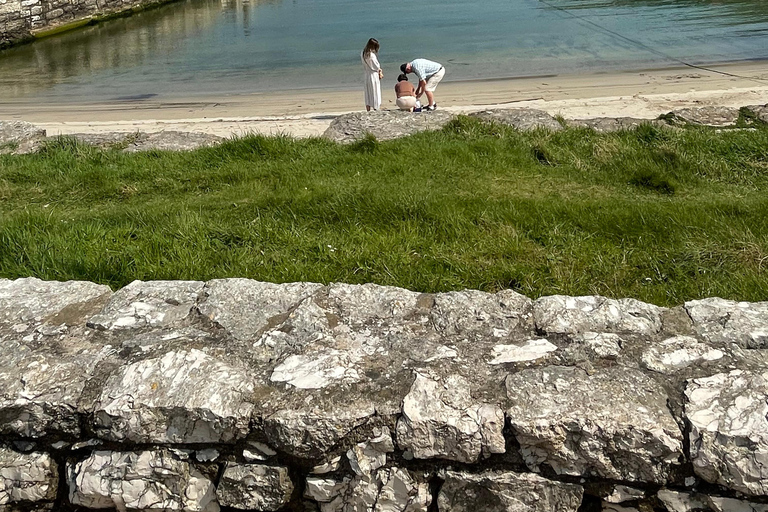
point(430, 73)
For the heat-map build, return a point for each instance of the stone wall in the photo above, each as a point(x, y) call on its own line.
point(241, 395)
point(22, 19)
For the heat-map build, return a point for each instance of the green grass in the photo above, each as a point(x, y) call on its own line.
point(664, 216)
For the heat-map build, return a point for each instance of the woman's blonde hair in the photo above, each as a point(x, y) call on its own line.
point(372, 46)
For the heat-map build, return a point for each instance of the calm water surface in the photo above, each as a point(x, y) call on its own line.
point(196, 47)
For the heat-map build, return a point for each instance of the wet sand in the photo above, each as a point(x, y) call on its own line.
point(641, 94)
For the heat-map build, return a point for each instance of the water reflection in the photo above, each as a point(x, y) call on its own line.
point(213, 47)
point(745, 11)
point(121, 44)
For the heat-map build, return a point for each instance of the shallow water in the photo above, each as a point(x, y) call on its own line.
point(208, 47)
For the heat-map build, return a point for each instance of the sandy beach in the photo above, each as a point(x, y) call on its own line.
point(641, 94)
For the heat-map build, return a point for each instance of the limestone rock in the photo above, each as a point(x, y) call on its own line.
point(676, 501)
point(245, 308)
point(441, 420)
point(706, 116)
point(39, 391)
point(571, 421)
point(524, 119)
point(384, 124)
point(311, 433)
point(386, 490)
point(572, 315)
point(506, 492)
point(613, 507)
point(27, 477)
point(253, 486)
point(759, 112)
point(181, 397)
point(729, 430)
point(148, 304)
point(31, 302)
point(720, 504)
point(622, 493)
point(173, 141)
point(614, 124)
point(531, 350)
point(20, 137)
point(45, 357)
point(474, 315)
point(316, 371)
point(599, 345)
point(367, 457)
point(723, 321)
point(324, 490)
point(678, 352)
point(148, 480)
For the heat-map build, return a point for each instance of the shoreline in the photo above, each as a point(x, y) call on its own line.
point(302, 113)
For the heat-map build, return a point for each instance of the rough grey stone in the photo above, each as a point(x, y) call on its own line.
point(724, 321)
point(441, 420)
point(46, 358)
point(729, 429)
point(246, 308)
point(20, 137)
point(707, 116)
point(506, 492)
point(523, 119)
point(676, 501)
point(572, 421)
point(367, 457)
point(613, 507)
point(386, 490)
point(759, 112)
point(474, 314)
point(351, 351)
point(313, 432)
point(678, 352)
point(30, 302)
point(181, 397)
point(384, 124)
point(531, 350)
point(599, 345)
point(614, 124)
point(148, 304)
point(572, 315)
point(140, 141)
point(720, 504)
point(254, 487)
point(27, 477)
point(622, 493)
point(148, 480)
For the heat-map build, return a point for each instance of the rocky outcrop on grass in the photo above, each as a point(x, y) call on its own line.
point(238, 394)
point(523, 119)
point(141, 141)
point(19, 137)
point(387, 125)
point(704, 116)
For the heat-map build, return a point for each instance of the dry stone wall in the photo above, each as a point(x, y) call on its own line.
point(21, 19)
point(242, 395)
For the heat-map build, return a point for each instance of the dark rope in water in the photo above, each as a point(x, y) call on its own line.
point(649, 48)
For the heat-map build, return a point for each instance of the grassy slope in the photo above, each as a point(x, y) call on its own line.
point(657, 215)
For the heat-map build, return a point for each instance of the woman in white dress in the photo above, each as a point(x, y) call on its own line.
point(373, 75)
